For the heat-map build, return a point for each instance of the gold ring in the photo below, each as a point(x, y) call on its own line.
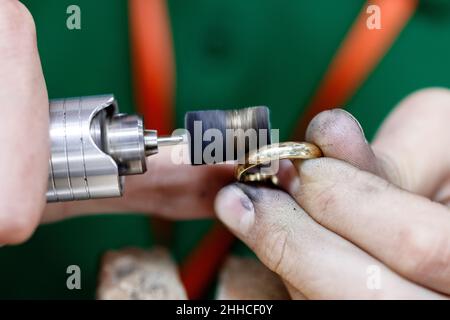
point(273, 152)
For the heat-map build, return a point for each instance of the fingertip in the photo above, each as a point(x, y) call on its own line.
point(339, 135)
point(333, 126)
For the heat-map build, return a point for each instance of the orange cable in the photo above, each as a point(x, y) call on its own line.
point(357, 56)
point(153, 72)
point(154, 78)
point(153, 63)
point(203, 263)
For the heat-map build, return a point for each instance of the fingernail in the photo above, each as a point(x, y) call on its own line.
point(235, 209)
point(357, 122)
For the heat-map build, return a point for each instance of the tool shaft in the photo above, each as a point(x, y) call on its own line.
point(93, 147)
point(169, 140)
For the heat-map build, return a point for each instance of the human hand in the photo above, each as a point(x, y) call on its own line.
point(24, 137)
point(358, 210)
point(169, 190)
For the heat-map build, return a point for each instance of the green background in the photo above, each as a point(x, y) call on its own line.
point(229, 53)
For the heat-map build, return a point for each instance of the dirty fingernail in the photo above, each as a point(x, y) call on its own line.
point(235, 209)
point(351, 116)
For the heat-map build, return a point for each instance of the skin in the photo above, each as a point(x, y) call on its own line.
point(168, 190)
point(382, 205)
point(24, 140)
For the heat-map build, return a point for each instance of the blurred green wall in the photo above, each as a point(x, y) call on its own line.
point(229, 53)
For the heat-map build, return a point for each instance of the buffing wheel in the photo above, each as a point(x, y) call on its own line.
point(234, 129)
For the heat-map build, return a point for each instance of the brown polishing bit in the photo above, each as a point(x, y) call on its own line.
point(198, 122)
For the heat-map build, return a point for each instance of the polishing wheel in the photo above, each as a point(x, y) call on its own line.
point(222, 135)
point(93, 146)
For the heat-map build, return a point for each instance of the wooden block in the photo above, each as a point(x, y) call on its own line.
point(248, 279)
point(136, 274)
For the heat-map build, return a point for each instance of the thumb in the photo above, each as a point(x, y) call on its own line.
point(268, 229)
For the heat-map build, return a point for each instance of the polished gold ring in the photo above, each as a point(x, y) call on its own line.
point(287, 150)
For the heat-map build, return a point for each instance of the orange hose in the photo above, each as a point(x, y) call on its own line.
point(201, 266)
point(153, 63)
point(154, 82)
point(357, 56)
point(154, 78)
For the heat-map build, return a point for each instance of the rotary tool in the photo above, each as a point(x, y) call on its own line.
point(93, 146)
point(234, 127)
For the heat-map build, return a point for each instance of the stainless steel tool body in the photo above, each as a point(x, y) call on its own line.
point(93, 146)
